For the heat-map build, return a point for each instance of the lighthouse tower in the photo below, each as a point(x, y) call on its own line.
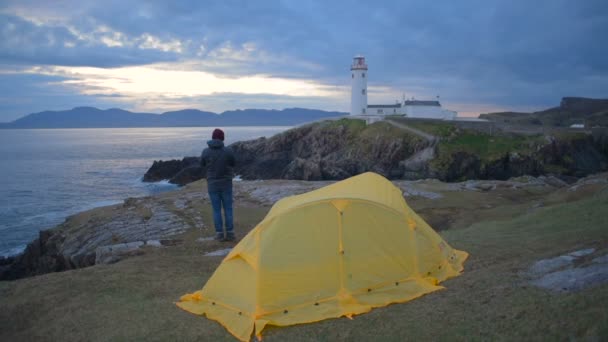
point(358, 96)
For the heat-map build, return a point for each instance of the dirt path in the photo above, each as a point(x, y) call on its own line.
point(420, 158)
point(431, 138)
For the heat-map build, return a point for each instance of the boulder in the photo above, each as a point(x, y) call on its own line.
point(187, 175)
point(76, 242)
point(166, 170)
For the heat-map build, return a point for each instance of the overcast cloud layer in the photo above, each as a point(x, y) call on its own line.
point(153, 56)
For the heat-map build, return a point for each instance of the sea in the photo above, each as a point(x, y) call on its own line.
point(47, 175)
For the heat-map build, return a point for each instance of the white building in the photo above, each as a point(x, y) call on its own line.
point(358, 96)
point(408, 108)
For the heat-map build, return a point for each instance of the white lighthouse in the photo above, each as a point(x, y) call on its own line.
point(358, 97)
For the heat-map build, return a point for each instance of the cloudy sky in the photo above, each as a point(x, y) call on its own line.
point(154, 56)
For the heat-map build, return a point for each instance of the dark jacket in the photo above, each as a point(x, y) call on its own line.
point(219, 161)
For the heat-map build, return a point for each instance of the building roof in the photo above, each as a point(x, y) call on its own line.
point(396, 105)
point(421, 103)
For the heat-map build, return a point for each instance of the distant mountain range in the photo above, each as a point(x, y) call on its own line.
point(90, 117)
point(572, 110)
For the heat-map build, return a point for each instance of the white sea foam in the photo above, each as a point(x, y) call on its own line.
point(12, 251)
point(160, 186)
point(52, 217)
point(164, 182)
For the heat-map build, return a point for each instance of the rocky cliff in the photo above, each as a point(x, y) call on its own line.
point(335, 150)
point(76, 242)
point(176, 171)
point(329, 150)
point(566, 156)
point(571, 110)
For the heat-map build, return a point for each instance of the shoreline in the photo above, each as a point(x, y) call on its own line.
point(166, 216)
point(64, 214)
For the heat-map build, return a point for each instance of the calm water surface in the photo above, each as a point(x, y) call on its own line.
point(49, 174)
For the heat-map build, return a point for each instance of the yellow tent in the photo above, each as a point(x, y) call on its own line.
point(337, 251)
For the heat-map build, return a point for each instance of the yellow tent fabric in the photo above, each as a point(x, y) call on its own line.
point(337, 251)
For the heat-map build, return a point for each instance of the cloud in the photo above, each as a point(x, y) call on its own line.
point(474, 54)
point(27, 41)
point(151, 81)
point(162, 87)
point(22, 94)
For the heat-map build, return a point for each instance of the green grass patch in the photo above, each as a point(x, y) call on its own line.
point(387, 130)
point(569, 136)
point(556, 169)
point(438, 129)
point(488, 146)
point(355, 125)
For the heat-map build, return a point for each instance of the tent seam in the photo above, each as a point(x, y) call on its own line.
point(329, 200)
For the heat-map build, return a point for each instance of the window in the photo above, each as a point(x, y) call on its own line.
point(380, 111)
point(363, 91)
point(363, 75)
point(353, 76)
point(363, 110)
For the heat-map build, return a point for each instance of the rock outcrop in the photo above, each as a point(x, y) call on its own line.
point(178, 172)
point(74, 243)
point(572, 110)
point(568, 158)
point(109, 234)
point(329, 150)
point(340, 149)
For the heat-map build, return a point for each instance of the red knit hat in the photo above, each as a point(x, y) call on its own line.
point(218, 134)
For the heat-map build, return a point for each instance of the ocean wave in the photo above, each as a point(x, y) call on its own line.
point(98, 204)
point(156, 187)
point(63, 177)
point(42, 221)
point(52, 217)
point(164, 182)
point(12, 251)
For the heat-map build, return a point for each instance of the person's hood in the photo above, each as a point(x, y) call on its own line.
point(215, 143)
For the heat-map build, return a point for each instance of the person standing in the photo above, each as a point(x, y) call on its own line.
point(219, 161)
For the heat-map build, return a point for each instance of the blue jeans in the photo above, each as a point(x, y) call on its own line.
point(221, 199)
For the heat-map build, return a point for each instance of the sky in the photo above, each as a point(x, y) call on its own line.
point(478, 56)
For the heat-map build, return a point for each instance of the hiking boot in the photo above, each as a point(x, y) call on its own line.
point(230, 236)
point(219, 237)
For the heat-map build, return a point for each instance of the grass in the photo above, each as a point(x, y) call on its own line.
point(379, 139)
point(355, 125)
point(438, 129)
point(488, 146)
point(569, 136)
point(133, 300)
point(385, 129)
point(555, 169)
point(361, 130)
